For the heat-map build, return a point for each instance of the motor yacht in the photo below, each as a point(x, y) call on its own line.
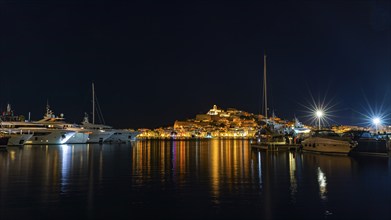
point(327, 142)
point(98, 133)
point(41, 134)
point(122, 136)
point(16, 137)
point(50, 120)
point(370, 144)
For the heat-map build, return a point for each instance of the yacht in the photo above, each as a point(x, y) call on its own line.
point(272, 135)
point(122, 136)
point(370, 144)
point(98, 133)
point(104, 133)
point(327, 142)
point(50, 120)
point(41, 134)
point(16, 137)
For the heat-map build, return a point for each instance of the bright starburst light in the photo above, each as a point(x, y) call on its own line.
point(376, 121)
point(374, 117)
point(320, 112)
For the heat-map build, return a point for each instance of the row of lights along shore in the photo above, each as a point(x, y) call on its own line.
point(320, 113)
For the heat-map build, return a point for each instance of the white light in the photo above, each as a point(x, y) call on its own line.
point(319, 113)
point(376, 121)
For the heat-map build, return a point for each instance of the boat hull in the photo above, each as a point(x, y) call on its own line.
point(18, 139)
point(122, 136)
point(78, 138)
point(326, 146)
point(372, 147)
point(97, 136)
point(50, 137)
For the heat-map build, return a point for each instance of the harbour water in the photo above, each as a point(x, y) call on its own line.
point(206, 179)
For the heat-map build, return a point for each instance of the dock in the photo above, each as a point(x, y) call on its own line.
point(276, 147)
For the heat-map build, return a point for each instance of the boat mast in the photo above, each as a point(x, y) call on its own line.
point(93, 104)
point(264, 84)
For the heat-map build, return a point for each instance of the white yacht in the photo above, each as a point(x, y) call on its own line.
point(327, 142)
point(122, 136)
point(53, 122)
point(16, 136)
point(98, 133)
point(104, 133)
point(41, 134)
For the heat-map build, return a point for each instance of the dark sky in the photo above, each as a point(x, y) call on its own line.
point(155, 62)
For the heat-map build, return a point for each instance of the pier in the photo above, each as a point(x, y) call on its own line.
point(276, 147)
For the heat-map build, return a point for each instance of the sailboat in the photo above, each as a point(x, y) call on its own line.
point(100, 133)
point(271, 134)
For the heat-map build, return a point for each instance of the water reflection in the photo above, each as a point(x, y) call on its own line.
point(322, 184)
point(260, 169)
point(219, 163)
point(65, 166)
point(292, 175)
point(221, 179)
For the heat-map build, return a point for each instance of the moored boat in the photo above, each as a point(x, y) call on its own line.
point(122, 136)
point(98, 133)
point(50, 120)
point(41, 134)
point(327, 142)
point(17, 137)
point(369, 144)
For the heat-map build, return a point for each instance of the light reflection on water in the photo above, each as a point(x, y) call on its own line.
point(322, 184)
point(292, 175)
point(188, 179)
point(65, 166)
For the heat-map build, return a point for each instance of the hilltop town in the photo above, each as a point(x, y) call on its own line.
point(216, 123)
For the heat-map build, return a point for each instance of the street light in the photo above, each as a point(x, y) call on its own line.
point(319, 114)
point(376, 121)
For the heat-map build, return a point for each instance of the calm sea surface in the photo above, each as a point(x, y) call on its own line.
point(211, 179)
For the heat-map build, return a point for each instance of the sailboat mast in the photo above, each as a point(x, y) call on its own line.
point(93, 104)
point(264, 84)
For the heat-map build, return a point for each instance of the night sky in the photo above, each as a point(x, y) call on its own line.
point(155, 62)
